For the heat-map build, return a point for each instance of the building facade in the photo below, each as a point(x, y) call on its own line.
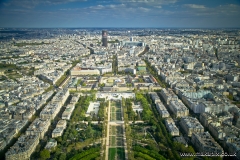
point(203, 142)
point(172, 128)
point(23, 148)
point(104, 38)
point(191, 125)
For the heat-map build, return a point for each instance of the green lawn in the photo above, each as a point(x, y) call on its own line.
point(116, 152)
point(116, 133)
point(119, 141)
point(113, 116)
point(118, 104)
point(121, 153)
point(2, 78)
point(113, 130)
point(60, 80)
point(112, 140)
point(118, 116)
point(12, 74)
point(8, 66)
point(29, 44)
point(113, 109)
point(116, 111)
point(49, 89)
point(112, 153)
point(119, 130)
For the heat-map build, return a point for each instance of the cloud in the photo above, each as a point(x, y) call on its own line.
point(150, 1)
point(228, 10)
point(119, 12)
point(61, 1)
point(97, 7)
point(33, 3)
point(218, 11)
point(147, 3)
point(122, 10)
point(144, 9)
point(195, 6)
point(14, 11)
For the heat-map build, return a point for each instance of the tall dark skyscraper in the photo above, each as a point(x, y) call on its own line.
point(104, 38)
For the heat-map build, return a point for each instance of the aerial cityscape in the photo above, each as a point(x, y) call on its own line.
point(119, 89)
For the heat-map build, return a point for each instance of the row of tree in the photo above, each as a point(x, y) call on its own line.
point(86, 153)
point(77, 133)
point(156, 76)
point(101, 114)
point(146, 113)
point(115, 64)
point(71, 135)
point(165, 148)
point(169, 149)
point(130, 112)
point(9, 66)
point(152, 154)
point(92, 152)
point(81, 108)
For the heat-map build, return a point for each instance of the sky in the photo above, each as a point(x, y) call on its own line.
point(120, 13)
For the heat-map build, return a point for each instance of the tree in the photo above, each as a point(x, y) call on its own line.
point(44, 154)
point(170, 154)
point(62, 156)
point(89, 131)
point(138, 116)
point(230, 96)
point(154, 128)
point(59, 139)
point(57, 152)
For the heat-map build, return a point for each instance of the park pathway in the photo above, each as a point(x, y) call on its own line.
point(113, 121)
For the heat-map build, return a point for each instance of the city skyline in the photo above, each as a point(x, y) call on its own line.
point(120, 13)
